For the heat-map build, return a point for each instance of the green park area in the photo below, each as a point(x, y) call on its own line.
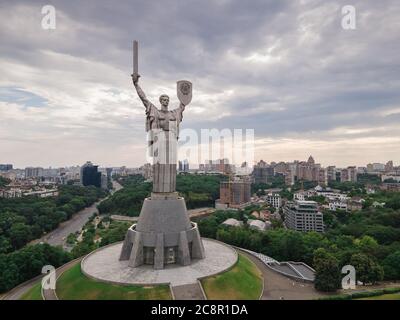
point(243, 282)
point(74, 285)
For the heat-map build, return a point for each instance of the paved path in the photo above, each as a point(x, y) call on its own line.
point(17, 292)
point(190, 291)
point(58, 237)
point(50, 294)
point(279, 287)
point(200, 212)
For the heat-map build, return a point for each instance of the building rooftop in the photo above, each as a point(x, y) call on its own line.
point(232, 222)
point(308, 202)
point(256, 224)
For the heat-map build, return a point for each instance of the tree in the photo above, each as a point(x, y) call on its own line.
point(383, 234)
point(393, 203)
point(5, 245)
point(312, 241)
point(294, 248)
point(26, 263)
point(116, 232)
point(82, 249)
point(367, 270)
point(327, 273)
point(9, 276)
point(208, 227)
point(367, 245)
point(19, 234)
point(391, 266)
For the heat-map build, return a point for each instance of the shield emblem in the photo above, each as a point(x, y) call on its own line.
point(184, 89)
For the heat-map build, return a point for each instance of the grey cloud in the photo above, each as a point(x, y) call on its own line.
point(325, 77)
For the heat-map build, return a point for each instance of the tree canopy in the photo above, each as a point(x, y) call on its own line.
point(27, 218)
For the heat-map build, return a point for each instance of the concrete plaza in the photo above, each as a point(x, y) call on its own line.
point(104, 265)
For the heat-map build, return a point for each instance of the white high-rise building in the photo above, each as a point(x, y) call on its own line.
point(303, 216)
point(274, 199)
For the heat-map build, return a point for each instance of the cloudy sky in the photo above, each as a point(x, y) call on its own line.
point(286, 69)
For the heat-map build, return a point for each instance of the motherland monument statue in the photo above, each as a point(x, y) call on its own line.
point(163, 234)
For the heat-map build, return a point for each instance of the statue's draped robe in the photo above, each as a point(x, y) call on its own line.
point(163, 131)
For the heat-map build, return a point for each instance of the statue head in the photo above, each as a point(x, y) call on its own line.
point(164, 100)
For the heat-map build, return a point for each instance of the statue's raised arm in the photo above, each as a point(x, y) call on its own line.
point(142, 96)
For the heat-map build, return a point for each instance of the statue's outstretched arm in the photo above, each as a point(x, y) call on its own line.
point(141, 95)
point(140, 92)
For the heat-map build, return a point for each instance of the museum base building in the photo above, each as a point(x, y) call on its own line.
point(163, 235)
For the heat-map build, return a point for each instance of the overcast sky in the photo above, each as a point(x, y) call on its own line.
point(286, 69)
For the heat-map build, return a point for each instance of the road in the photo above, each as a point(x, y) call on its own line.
point(200, 212)
point(59, 236)
point(279, 287)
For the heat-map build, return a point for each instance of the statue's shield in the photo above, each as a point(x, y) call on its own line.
point(184, 89)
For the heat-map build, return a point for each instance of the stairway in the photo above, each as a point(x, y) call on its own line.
point(191, 291)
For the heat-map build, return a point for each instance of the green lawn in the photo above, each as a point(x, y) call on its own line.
point(243, 282)
point(391, 296)
point(34, 293)
point(73, 285)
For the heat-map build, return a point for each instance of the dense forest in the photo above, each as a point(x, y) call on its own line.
point(198, 190)
point(368, 239)
point(27, 218)
point(127, 201)
point(27, 263)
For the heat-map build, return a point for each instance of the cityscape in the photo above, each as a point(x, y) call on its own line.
point(200, 157)
point(301, 196)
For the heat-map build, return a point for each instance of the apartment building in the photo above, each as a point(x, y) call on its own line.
point(303, 216)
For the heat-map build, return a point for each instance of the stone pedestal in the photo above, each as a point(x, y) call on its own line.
point(163, 234)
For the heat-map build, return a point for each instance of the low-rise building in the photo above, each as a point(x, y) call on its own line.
point(265, 214)
point(256, 224)
point(301, 195)
point(231, 222)
point(390, 187)
point(10, 193)
point(337, 205)
point(354, 205)
point(274, 200)
point(392, 178)
point(42, 193)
